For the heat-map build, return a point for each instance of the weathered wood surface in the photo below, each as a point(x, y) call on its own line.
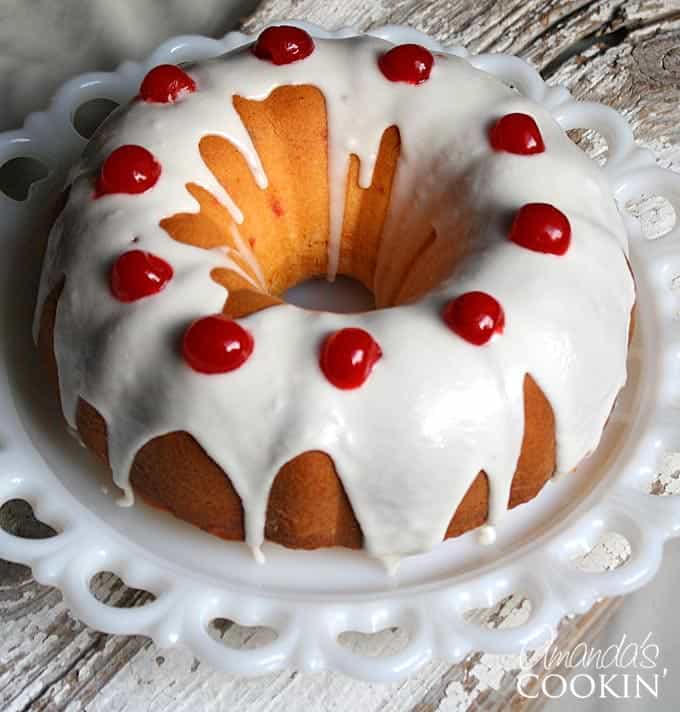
point(624, 53)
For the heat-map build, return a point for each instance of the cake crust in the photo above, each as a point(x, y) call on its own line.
point(308, 507)
point(480, 373)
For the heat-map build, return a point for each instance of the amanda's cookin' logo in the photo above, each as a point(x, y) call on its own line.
point(623, 670)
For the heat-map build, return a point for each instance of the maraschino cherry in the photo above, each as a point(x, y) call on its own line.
point(137, 274)
point(516, 133)
point(474, 316)
point(348, 357)
point(409, 63)
point(216, 344)
point(129, 169)
point(542, 228)
point(283, 44)
point(166, 84)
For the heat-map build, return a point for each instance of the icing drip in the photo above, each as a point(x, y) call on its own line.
point(486, 535)
point(436, 409)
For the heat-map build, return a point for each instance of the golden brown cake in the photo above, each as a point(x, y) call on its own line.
point(492, 245)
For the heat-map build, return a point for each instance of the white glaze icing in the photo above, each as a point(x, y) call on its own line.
point(436, 410)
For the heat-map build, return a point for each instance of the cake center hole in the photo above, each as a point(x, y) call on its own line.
point(344, 296)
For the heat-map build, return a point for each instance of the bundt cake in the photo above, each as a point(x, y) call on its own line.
point(491, 243)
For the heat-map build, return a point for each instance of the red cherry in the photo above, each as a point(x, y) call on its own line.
point(348, 357)
point(474, 316)
point(216, 344)
point(137, 274)
point(408, 63)
point(129, 169)
point(283, 44)
point(165, 84)
point(516, 133)
point(542, 228)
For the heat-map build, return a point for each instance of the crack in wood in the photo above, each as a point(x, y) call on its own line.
point(481, 11)
point(500, 22)
point(613, 33)
point(558, 24)
point(603, 36)
point(34, 704)
point(124, 650)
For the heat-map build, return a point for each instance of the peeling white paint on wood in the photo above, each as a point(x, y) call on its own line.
point(626, 54)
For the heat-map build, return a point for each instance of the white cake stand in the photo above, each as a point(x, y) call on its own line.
point(309, 598)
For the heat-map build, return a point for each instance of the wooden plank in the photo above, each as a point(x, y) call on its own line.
point(624, 53)
point(540, 30)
